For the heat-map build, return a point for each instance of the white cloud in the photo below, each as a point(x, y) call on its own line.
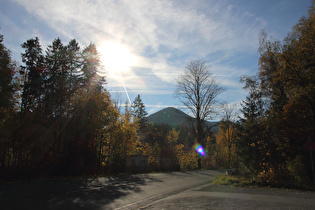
point(149, 23)
point(163, 34)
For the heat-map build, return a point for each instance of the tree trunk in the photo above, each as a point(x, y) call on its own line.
point(199, 163)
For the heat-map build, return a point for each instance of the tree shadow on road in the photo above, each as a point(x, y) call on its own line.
point(92, 193)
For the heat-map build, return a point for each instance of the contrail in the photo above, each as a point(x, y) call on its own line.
point(125, 88)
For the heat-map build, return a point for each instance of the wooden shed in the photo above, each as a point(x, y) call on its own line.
point(137, 163)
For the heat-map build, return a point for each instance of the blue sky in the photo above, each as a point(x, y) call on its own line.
point(147, 44)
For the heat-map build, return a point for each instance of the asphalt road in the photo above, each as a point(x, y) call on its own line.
point(177, 190)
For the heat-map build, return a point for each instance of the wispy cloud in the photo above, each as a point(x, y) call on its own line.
point(164, 35)
point(152, 24)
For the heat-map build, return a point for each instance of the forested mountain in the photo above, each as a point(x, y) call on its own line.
point(170, 116)
point(175, 117)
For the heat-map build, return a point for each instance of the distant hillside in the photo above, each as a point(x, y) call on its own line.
point(169, 116)
point(174, 117)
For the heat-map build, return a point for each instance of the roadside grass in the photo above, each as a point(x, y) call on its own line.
point(242, 181)
point(233, 180)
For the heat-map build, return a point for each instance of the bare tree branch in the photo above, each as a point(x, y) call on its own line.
point(198, 90)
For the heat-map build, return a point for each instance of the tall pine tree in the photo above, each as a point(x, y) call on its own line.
point(33, 81)
point(139, 111)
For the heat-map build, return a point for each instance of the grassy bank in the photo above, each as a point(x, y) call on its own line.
point(239, 180)
point(233, 180)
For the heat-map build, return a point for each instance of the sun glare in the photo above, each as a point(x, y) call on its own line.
point(116, 58)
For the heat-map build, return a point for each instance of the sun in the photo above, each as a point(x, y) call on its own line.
point(116, 58)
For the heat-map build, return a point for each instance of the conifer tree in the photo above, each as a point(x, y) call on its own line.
point(139, 111)
point(33, 82)
point(7, 87)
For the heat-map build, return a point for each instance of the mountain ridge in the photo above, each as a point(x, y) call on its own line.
point(175, 117)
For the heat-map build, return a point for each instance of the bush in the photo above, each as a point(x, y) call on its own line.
point(188, 161)
point(296, 169)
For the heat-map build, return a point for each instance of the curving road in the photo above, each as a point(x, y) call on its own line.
point(177, 190)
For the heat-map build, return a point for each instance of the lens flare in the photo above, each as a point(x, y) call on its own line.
point(122, 81)
point(200, 150)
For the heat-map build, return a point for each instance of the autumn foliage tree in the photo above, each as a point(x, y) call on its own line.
point(272, 138)
point(226, 137)
point(198, 90)
point(67, 123)
point(182, 155)
point(226, 145)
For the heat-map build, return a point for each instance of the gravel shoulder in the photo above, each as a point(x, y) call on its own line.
point(213, 196)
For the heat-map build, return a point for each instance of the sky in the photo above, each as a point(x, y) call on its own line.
point(146, 44)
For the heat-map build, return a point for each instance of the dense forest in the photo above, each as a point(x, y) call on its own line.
point(268, 142)
point(58, 119)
